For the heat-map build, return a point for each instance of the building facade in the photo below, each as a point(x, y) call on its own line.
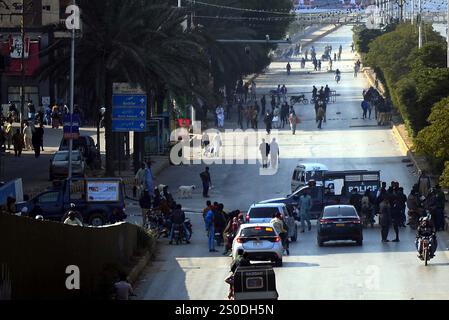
point(42, 25)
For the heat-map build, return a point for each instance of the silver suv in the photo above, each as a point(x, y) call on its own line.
point(263, 213)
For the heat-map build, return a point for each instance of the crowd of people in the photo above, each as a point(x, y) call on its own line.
point(390, 204)
point(31, 137)
point(372, 99)
point(221, 226)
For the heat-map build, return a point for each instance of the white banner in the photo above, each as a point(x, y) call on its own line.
point(103, 191)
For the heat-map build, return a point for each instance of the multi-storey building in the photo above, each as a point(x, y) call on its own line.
point(42, 24)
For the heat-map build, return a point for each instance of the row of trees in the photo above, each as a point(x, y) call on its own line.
point(144, 42)
point(417, 81)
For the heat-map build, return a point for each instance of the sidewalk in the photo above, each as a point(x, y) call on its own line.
point(406, 142)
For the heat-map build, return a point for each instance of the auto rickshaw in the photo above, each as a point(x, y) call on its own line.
point(255, 282)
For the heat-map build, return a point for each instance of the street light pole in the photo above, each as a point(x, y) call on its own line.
point(419, 25)
point(22, 70)
point(72, 88)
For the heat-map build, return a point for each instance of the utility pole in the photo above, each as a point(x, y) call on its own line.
point(419, 25)
point(72, 89)
point(413, 12)
point(22, 69)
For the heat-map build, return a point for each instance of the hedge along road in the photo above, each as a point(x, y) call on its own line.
point(336, 271)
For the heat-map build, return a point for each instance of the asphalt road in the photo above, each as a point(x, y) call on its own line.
point(337, 271)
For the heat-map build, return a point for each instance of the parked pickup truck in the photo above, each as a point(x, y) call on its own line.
point(335, 188)
point(94, 198)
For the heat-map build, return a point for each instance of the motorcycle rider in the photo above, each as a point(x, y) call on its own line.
point(178, 217)
point(426, 229)
point(229, 233)
point(337, 75)
point(288, 67)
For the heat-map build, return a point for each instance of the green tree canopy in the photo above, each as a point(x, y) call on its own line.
point(433, 140)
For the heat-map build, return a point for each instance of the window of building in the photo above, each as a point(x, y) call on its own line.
point(31, 93)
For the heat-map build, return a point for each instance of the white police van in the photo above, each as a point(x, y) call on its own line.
point(304, 172)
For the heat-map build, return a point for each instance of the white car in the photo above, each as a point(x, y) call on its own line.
point(260, 241)
point(263, 213)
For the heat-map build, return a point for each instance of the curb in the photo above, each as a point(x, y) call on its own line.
point(136, 271)
point(403, 145)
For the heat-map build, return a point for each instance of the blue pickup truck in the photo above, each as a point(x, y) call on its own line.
point(95, 198)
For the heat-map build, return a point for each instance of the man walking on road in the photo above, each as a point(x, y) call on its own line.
point(365, 107)
point(8, 134)
point(305, 205)
point(18, 142)
point(263, 103)
point(384, 217)
point(149, 179)
point(264, 149)
point(274, 152)
point(320, 116)
point(28, 135)
point(209, 221)
point(205, 178)
point(37, 140)
point(268, 119)
point(294, 120)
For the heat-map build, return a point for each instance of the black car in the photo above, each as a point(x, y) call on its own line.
point(339, 222)
point(85, 144)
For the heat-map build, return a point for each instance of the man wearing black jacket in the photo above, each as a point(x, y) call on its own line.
point(177, 218)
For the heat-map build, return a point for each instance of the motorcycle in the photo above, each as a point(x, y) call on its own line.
point(158, 224)
point(426, 248)
point(337, 78)
point(178, 233)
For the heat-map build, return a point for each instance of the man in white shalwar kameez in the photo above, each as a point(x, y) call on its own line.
point(274, 153)
point(217, 145)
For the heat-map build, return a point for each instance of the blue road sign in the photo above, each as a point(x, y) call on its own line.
point(125, 113)
point(129, 112)
point(125, 125)
point(125, 100)
point(71, 128)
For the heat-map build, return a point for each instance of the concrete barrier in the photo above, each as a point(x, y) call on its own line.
point(35, 255)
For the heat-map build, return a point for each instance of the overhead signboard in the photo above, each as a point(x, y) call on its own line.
point(129, 108)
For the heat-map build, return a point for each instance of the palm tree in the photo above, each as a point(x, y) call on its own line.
point(131, 41)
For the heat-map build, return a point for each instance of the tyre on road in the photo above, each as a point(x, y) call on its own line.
point(320, 242)
point(278, 263)
point(97, 219)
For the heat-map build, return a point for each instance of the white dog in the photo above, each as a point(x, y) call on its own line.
point(186, 191)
